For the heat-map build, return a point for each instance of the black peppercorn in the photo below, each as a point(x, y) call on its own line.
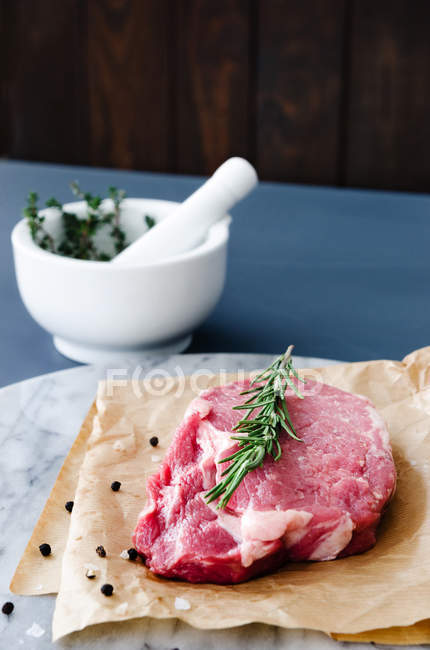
point(132, 554)
point(153, 441)
point(69, 506)
point(115, 486)
point(101, 551)
point(107, 590)
point(7, 608)
point(45, 549)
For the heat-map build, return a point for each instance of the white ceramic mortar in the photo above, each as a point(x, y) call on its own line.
point(99, 312)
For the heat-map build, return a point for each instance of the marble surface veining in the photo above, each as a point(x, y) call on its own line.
point(39, 419)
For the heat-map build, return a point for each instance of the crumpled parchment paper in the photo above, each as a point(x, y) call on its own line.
point(385, 587)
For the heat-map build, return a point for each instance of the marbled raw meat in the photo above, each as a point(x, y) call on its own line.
point(323, 499)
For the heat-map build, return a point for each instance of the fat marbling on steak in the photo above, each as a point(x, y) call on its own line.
point(322, 499)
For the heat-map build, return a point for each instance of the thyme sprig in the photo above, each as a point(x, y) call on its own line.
point(79, 232)
point(260, 434)
point(35, 223)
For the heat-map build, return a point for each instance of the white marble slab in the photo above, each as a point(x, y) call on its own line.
point(39, 419)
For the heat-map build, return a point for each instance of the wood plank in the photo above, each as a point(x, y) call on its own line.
point(42, 80)
point(389, 125)
point(4, 113)
point(212, 83)
point(299, 89)
point(128, 83)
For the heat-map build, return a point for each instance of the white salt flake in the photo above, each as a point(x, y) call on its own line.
point(35, 631)
point(182, 603)
point(121, 609)
point(118, 445)
point(38, 587)
point(413, 463)
point(124, 554)
point(155, 459)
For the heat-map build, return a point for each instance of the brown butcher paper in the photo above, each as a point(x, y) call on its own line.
point(385, 587)
point(34, 575)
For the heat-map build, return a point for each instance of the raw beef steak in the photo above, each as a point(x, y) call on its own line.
point(323, 498)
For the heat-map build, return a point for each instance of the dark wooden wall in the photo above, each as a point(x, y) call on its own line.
point(318, 91)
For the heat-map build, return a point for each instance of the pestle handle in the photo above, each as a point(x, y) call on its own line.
point(188, 223)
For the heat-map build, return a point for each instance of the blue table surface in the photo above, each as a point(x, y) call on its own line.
point(342, 274)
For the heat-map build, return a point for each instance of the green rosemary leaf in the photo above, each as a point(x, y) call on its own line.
point(293, 386)
point(246, 405)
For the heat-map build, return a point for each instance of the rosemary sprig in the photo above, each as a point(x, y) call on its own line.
point(260, 434)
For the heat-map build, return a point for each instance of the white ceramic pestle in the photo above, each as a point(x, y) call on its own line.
point(188, 224)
